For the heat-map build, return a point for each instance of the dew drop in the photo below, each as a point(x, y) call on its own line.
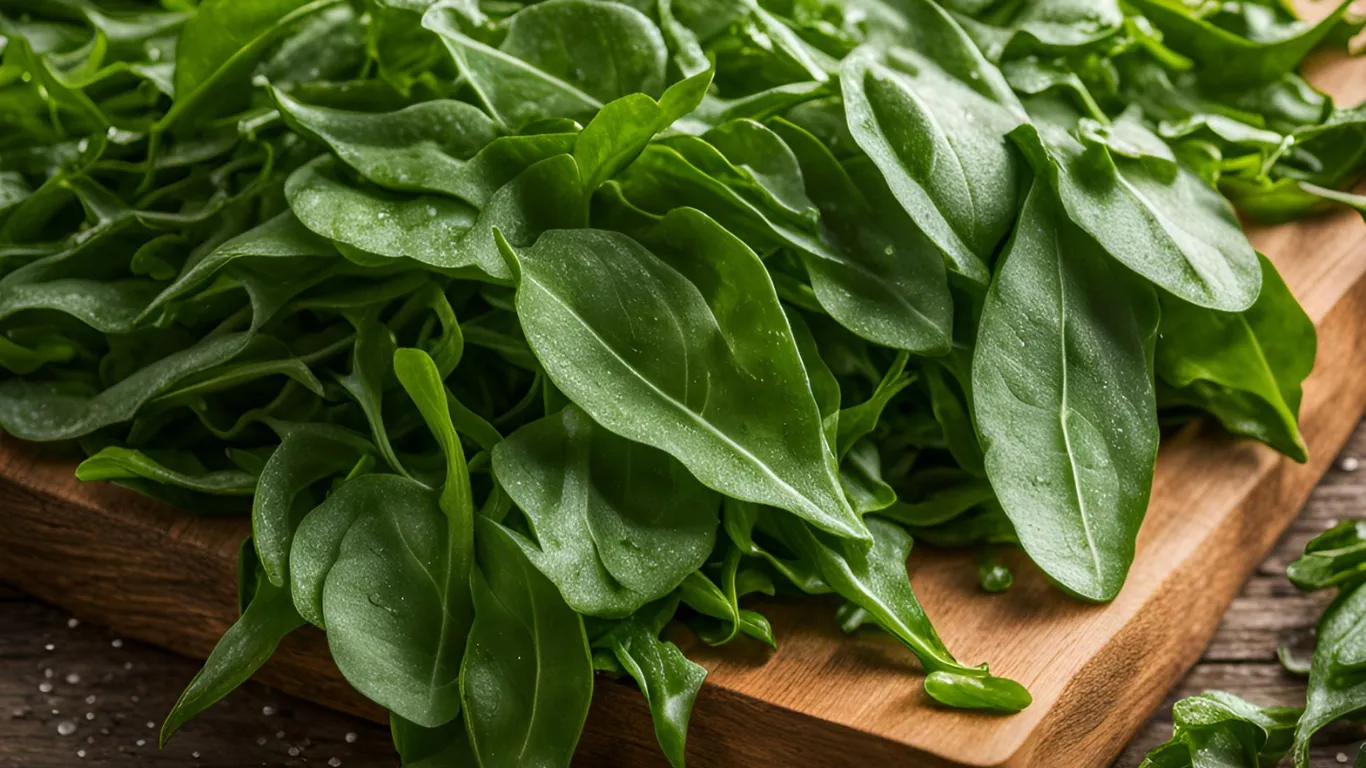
point(66, 728)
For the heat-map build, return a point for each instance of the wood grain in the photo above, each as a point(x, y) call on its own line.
point(1096, 672)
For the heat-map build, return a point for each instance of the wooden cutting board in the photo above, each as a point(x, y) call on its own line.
point(823, 699)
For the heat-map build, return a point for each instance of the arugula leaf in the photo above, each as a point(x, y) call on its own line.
point(602, 509)
point(354, 565)
point(753, 435)
point(314, 259)
point(1337, 689)
point(1175, 231)
point(222, 41)
point(1245, 368)
point(527, 677)
point(266, 619)
point(876, 581)
point(956, 177)
point(558, 60)
point(1064, 400)
point(1218, 728)
point(1232, 57)
point(886, 283)
point(1334, 558)
point(669, 681)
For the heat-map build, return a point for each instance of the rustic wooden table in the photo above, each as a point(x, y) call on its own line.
point(73, 694)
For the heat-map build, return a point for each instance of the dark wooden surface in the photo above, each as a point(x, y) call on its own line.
point(55, 677)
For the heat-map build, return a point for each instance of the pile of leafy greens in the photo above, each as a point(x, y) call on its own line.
point(522, 330)
point(1220, 730)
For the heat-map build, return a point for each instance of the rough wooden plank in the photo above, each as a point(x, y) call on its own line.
point(109, 695)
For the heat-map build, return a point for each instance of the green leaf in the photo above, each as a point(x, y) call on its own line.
point(1334, 558)
point(561, 58)
point(624, 126)
point(1231, 60)
point(244, 648)
point(35, 410)
point(1337, 688)
point(858, 421)
point(527, 677)
point(307, 454)
point(1218, 729)
point(876, 581)
point(422, 381)
point(950, 399)
point(880, 277)
point(704, 596)
point(378, 563)
point(116, 463)
point(421, 148)
point(1246, 368)
point(616, 524)
point(935, 123)
point(1057, 27)
point(442, 232)
point(861, 477)
point(222, 42)
point(660, 348)
point(1062, 379)
point(1177, 232)
point(669, 681)
point(444, 747)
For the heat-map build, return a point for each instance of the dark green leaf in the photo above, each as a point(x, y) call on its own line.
point(714, 380)
point(1062, 379)
point(527, 678)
